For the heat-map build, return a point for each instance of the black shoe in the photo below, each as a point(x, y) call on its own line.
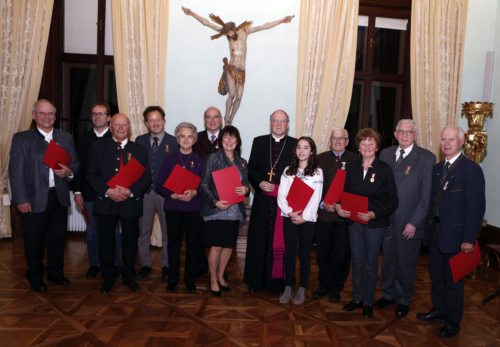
point(401, 310)
point(383, 302)
point(224, 288)
point(144, 272)
point(214, 292)
point(38, 287)
point(450, 329)
point(171, 287)
point(351, 305)
point(319, 293)
point(106, 286)
point(164, 274)
point(432, 316)
point(368, 311)
point(191, 287)
point(59, 280)
point(92, 271)
point(132, 285)
point(334, 297)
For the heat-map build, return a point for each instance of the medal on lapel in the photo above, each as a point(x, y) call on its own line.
point(372, 179)
point(343, 165)
point(166, 148)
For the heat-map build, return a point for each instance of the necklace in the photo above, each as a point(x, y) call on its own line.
point(183, 164)
point(271, 172)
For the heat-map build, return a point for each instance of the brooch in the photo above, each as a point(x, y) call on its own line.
point(343, 165)
point(372, 179)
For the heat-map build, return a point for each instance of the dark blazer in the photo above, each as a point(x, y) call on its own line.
point(260, 161)
point(413, 176)
point(104, 164)
point(167, 146)
point(382, 194)
point(463, 204)
point(329, 164)
point(29, 177)
point(83, 144)
point(203, 147)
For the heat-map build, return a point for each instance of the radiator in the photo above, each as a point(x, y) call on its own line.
point(76, 222)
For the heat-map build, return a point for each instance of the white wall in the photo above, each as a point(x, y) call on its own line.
point(194, 64)
point(483, 26)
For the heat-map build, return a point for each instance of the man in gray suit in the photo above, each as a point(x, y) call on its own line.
point(412, 168)
point(158, 145)
point(41, 195)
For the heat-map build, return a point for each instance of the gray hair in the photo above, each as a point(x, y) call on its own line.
point(186, 125)
point(39, 101)
point(407, 121)
point(461, 132)
point(286, 114)
point(346, 133)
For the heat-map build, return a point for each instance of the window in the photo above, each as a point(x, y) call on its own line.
point(79, 68)
point(381, 88)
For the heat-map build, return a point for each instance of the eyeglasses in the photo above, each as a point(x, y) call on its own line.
point(277, 121)
point(339, 139)
point(46, 114)
point(405, 132)
point(212, 117)
point(99, 114)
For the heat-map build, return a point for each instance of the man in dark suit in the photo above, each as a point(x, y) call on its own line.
point(119, 204)
point(42, 195)
point(208, 139)
point(331, 231)
point(269, 156)
point(84, 195)
point(412, 168)
point(158, 144)
point(457, 210)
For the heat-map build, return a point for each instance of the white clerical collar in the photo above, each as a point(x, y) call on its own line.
point(276, 138)
point(406, 150)
point(47, 135)
point(100, 133)
point(454, 158)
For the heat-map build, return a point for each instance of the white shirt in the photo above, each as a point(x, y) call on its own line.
point(48, 138)
point(310, 213)
point(453, 159)
point(406, 151)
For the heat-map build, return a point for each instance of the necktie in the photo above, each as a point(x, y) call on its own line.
point(154, 147)
point(401, 156)
point(212, 139)
point(436, 201)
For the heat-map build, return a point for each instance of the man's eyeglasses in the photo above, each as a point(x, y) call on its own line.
point(339, 139)
point(405, 132)
point(98, 114)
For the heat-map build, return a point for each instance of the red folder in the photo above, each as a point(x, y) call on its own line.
point(128, 174)
point(354, 203)
point(299, 195)
point(55, 155)
point(463, 263)
point(336, 188)
point(226, 180)
point(181, 179)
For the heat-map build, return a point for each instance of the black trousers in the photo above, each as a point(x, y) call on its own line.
point(45, 228)
point(447, 297)
point(188, 224)
point(300, 236)
point(333, 254)
point(106, 225)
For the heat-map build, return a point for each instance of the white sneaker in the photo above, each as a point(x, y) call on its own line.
point(286, 296)
point(300, 296)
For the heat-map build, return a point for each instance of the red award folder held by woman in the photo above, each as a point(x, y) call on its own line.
point(336, 188)
point(226, 180)
point(462, 263)
point(181, 179)
point(128, 174)
point(55, 155)
point(299, 195)
point(354, 203)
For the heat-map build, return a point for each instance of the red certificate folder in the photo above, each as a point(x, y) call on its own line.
point(128, 174)
point(463, 263)
point(55, 155)
point(336, 188)
point(226, 180)
point(299, 194)
point(354, 203)
point(181, 179)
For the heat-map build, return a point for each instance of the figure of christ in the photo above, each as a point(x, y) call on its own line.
point(233, 77)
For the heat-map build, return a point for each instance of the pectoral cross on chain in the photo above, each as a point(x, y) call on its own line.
point(271, 173)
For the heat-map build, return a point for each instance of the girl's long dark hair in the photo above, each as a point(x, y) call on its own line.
point(312, 165)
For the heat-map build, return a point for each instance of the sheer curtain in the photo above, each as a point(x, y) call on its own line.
point(326, 62)
point(140, 47)
point(437, 46)
point(24, 32)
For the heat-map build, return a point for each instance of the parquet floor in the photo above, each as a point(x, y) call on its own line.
point(79, 315)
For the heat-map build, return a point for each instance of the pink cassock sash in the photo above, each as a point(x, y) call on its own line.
point(278, 239)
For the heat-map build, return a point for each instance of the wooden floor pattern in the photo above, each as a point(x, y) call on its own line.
point(78, 315)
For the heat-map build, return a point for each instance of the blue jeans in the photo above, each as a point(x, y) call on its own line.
point(93, 240)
